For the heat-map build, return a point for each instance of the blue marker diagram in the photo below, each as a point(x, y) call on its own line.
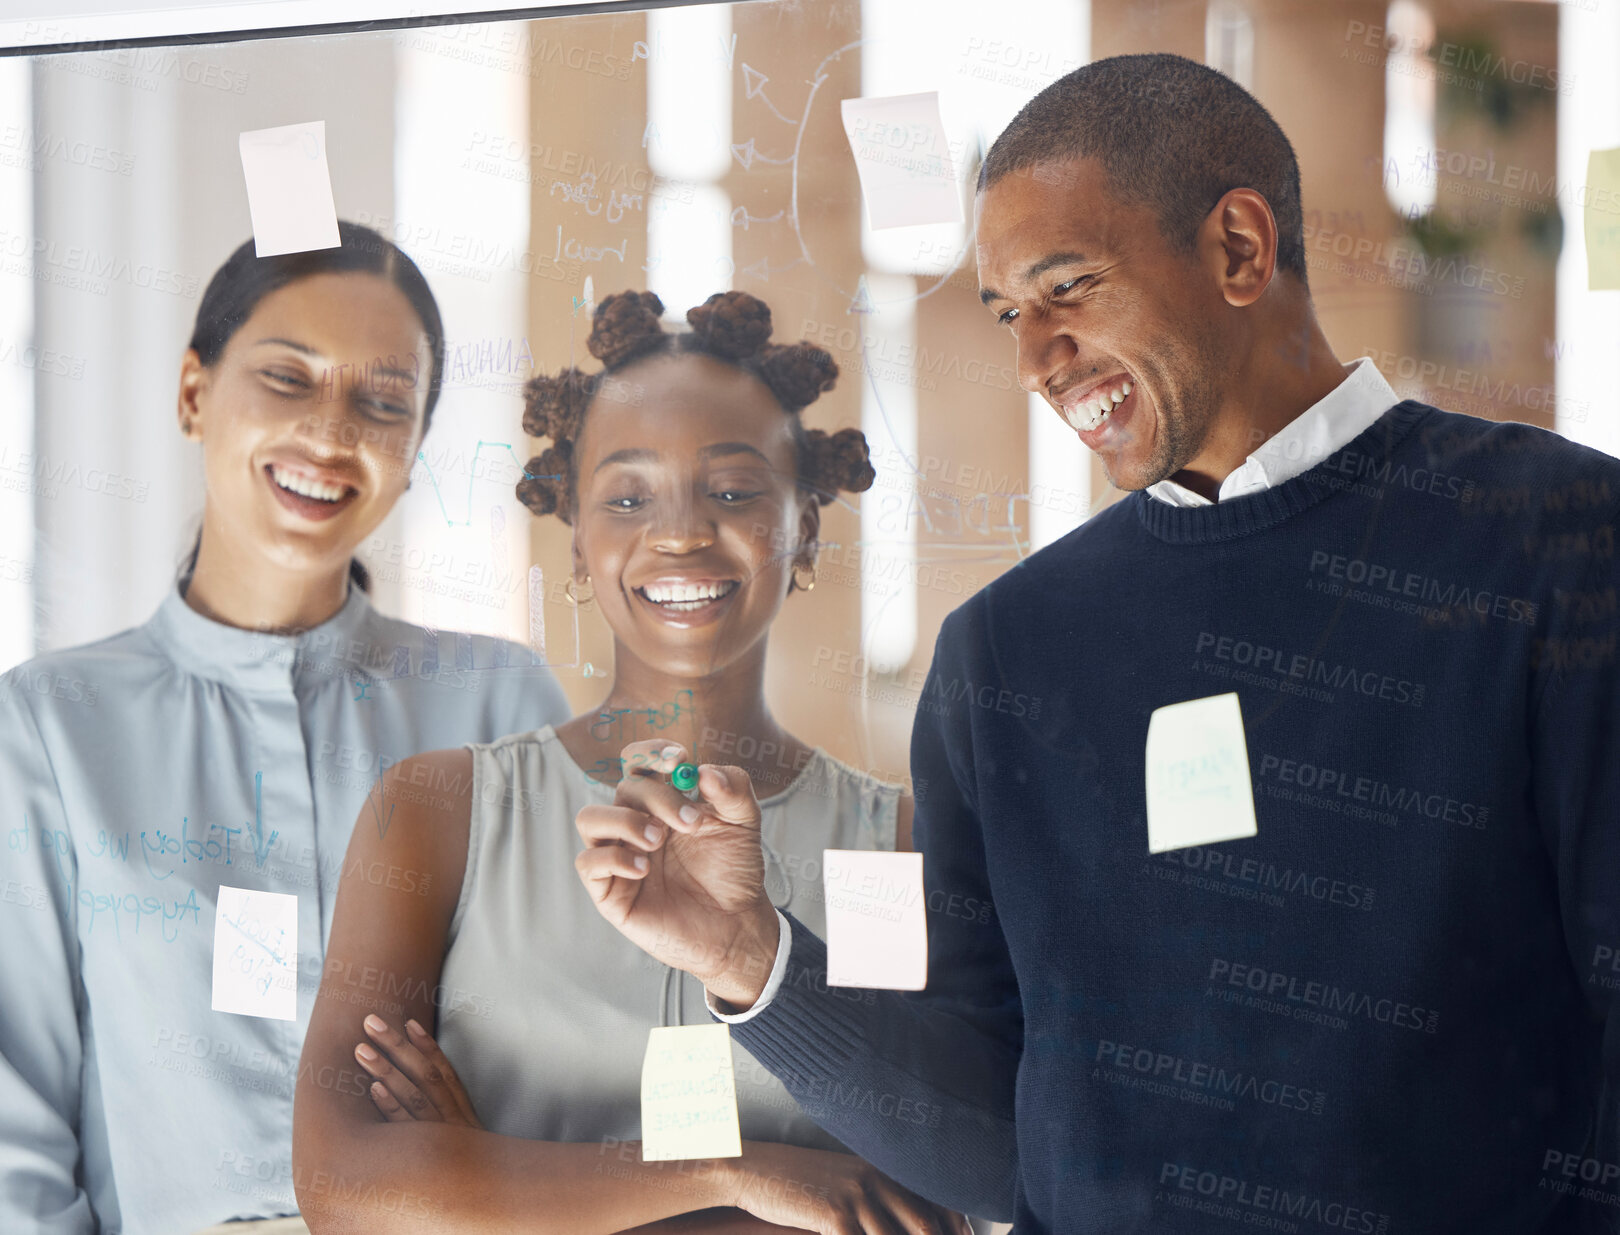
point(472, 474)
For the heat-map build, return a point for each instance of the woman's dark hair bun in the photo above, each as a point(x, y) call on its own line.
point(797, 373)
point(624, 325)
point(554, 406)
point(731, 325)
point(544, 487)
point(835, 461)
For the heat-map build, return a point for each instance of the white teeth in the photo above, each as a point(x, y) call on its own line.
point(682, 596)
point(317, 489)
point(1089, 414)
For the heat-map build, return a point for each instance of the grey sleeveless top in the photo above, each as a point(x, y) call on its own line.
point(546, 1007)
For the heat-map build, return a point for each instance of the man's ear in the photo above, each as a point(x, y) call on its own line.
point(194, 381)
point(1238, 240)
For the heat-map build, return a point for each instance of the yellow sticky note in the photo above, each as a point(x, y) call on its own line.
point(1198, 786)
point(1603, 220)
point(689, 1094)
point(877, 927)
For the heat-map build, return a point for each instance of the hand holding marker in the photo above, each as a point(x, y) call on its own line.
point(684, 877)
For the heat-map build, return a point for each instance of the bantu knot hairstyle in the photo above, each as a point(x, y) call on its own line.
point(730, 326)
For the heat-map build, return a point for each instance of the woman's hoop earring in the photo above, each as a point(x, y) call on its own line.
point(573, 598)
point(799, 583)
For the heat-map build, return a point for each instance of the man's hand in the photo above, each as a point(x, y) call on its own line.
point(832, 1194)
point(682, 880)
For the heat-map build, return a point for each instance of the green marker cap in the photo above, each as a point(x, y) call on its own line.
point(684, 777)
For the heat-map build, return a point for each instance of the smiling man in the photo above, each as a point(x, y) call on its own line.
point(1393, 1009)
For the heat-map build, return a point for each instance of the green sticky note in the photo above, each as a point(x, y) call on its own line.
point(1603, 220)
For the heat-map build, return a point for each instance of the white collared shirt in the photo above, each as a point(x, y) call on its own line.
point(1334, 420)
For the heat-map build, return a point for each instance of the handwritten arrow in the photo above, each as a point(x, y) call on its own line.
point(746, 154)
point(754, 87)
point(382, 822)
point(862, 303)
point(763, 268)
point(261, 847)
point(741, 215)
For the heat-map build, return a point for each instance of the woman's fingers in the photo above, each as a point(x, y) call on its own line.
point(914, 1216)
point(424, 1074)
point(404, 1091)
point(875, 1218)
point(438, 1060)
point(607, 825)
point(385, 1102)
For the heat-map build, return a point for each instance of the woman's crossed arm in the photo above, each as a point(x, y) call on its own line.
point(412, 1155)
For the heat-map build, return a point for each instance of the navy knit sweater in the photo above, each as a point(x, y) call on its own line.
point(1397, 1008)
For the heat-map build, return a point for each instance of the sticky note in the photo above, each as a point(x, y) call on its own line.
point(256, 953)
point(689, 1095)
point(877, 928)
point(1198, 787)
point(289, 189)
point(1603, 220)
point(903, 159)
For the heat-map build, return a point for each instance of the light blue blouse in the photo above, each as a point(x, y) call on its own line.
point(138, 775)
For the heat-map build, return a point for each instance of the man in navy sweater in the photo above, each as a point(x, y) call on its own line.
point(1392, 1010)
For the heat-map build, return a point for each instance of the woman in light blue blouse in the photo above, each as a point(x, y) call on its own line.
point(227, 743)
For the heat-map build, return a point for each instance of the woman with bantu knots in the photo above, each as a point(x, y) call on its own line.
point(694, 492)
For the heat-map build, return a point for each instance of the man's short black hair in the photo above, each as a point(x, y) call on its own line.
point(1172, 134)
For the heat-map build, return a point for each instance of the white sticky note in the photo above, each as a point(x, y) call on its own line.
point(289, 189)
point(877, 926)
point(904, 160)
point(689, 1094)
point(1198, 786)
point(256, 953)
